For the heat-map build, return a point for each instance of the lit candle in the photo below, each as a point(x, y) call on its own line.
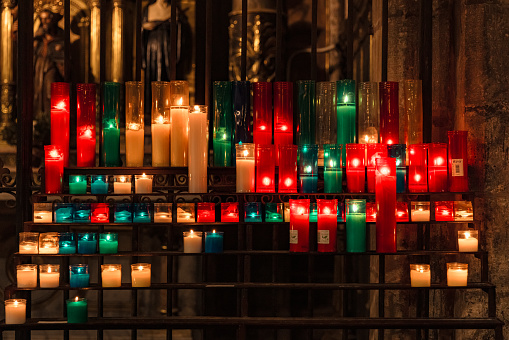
point(43, 212)
point(308, 168)
point(230, 212)
point(252, 212)
point(100, 213)
point(64, 212)
point(213, 242)
point(371, 212)
point(87, 243)
point(28, 243)
point(401, 212)
point(287, 169)
point(420, 211)
point(326, 225)
point(48, 243)
point(299, 225)
point(417, 168)
point(373, 151)
point(245, 161)
point(134, 144)
point(111, 275)
point(86, 146)
point(140, 274)
point(192, 241)
point(143, 184)
point(53, 170)
point(185, 213)
point(274, 212)
point(26, 275)
point(389, 111)
point(457, 274)
point(123, 213)
point(355, 225)
point(346, 112)
point(79, 276)
point(355, 169)
point(179, 120)
point(110, 148)
point(142, 213)
point(222, 123)
point(468, 240)
point(420, 275)
point(398, 151)
point(458, 162)
point(15, 311)
point(134, 125)
point(332, 169)
point(262, 112)
point(444, 211)
point(162, 212)
point(66, 243)
point(463, 211)
point(82, 213)
point(49, 275)
point(85, 125)
point(206, 212)
point(60, 118)
point(122, 184)
point(386, 205)
point(437, 167)
point(283, 118)
point(265, 168)
point(286, 213)
point(198, 149)
point(99, 184)
point(160, 141)
point(108, 243)
point(77, 310)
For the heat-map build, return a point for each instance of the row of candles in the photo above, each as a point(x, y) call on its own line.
point(15, 310)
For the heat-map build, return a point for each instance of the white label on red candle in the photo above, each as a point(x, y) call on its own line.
point(294, 236)
point(457, 167)
point(323, 237)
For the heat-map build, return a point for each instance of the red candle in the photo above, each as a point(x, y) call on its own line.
point(60, 118)
point(417, 168)
point(230, 212)
point(265, 168)
point(54, 169)
point(386, 205)
point(389, 112)
point(262, 113)
point(100, 213)
point(458, 176)
point(85, 145)
point(402, 212)
point(444, 211)
point(437, 167)
point(283, 114)
point(374, 151)
point(287, 168)
point(206, 212)
point(327, 225)
point(355, 167)
point(299, 225)
point(370, 212)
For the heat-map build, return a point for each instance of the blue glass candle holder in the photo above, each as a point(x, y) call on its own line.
point(313, 212)
point(99, 184)
point(87, 243)
point(214, 242)
point(77, 184)
point(341, 211)
point(142, 213)
point(67, 243)
point(81, 213)
point(308, 168)
point(108, 243)
point(123, 213)
point(78, 276)
point(274, 212)
point(64, 212)
point(253, 212)
point(398, 151)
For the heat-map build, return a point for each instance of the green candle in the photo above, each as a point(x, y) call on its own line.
point(223, 124)
point(346, 110)
point(77, 184)
point(355, 226)
point(306, 110)
point(332, 174)
point(110, 147)
point(108, 243)
point(77, 310)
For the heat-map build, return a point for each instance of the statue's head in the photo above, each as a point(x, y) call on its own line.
point(48, 20)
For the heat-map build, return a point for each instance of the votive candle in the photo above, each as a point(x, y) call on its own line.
point(373, 151)
point(123, 213)
point(108, 243)
point(287, 168)
point(355, 225)
point(43, 212)
point(223, 123)
point(420, 275)
point(100, 213)
point(262, 112)
point(463, 211)
point(398, 151)
point(252, 212)
point(198, 148)
point(230, 212)
point(121, 184)
point(53, 169)
point(79, 276)
point(417, 168)
point(327, 225)
point(192, 241)
point(110, 142)
point(265, 168)
point(401, 211)
point(141, 275)
point(134, 125)
point(66, 243)
point(77, 310)
point(308, 168)
point(49, 275)
point(420, 211)
point(162, 212)
point(82, 213)
point(48, 243)
point(355, 167)
point(458, 161)
point(273, 212)
point(283, 116)
point(214, 242)
point(26, 275)
point(457, 274)
point(179, 120)
point(332, 168)
point(299, 225)
point(389, 112)
point(160, 123)
point(85, 125)
point(64, 212)
point(468, 240)
point(15, 311)
point(245, 161)
point(185, 213)
point(143, 184)
point(437, 167)
point(206, 212)
point(346, 112)
point(111, 275)
point(386, 205)
point(142, 213)
point(77, 184)
point(60, 118)
point(87, 243)
point(99, 184)
point(444, 211)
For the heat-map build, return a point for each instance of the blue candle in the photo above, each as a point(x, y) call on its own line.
point(77, 310)
point(142, 213)
point(214, 242)
point(77, 184)
point(308, 184)
point(123, 213)
point(79, 277)
point(87, 243)
point(252, 212)
point(108, 243)
point(308, 168)
point(66, 243)
point(400, 180)
point(64, 212)
point(81, 213)
point(99, 184)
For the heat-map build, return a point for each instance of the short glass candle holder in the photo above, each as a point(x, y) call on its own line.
point(99, 184)
point(111, 275)
point(48, 243)
point(28, 243)
point(253, 212)
point(444, 211)
point(141, 274)
point(123, 213)
point(77, 310)
point(122, 184)
point(77, 184)
point(371, 212)
point(463, 211)
point(82, 213)
point(468, 240)
point(87, 243)
point(43, 212)
point(100, 213)
point(457, 274)
point(274, 212)
point(401, 212)
point(26, 275)
point(185, 213)
point(420, 275)
point(143, 184)
point(49, 275)
point(313, 212)
point(286, 214)
point(64, 212)
point(67, 243)
point(163, 212)
point(15, 311)
point(206, 212)
point(108, 243)
point(78, 276)
point(230, 212)
point(192, 241)
point(214, 241)
point(142, 213)
point(420, 211)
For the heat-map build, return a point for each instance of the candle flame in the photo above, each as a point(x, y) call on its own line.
point(192, 232)
point(366, 138)
point(266, 181)
point(88, 133)
point(439, 161)
point(390, 141)
point(326, 211)
point(60, 105)
point(302, 211)
point(76, 299)
point(196, 108)
point(417, 178)
point(245, 153)
point(15, 303)
point(467, 234)
point(355, 162)
point(180, 101)
point(140, 267)
point(421, 270)
point(420, 209)
point(134, 126)
point(54, 153)
point(284, 128)
point(331, 163)
point(160, 120)
point(288, 182)
point(385, 171)
point(355, 207)
point(263, 127)
point(309, 169)
point(122, 179)
point(345, 99)
point(143, 175)
point(214, 231)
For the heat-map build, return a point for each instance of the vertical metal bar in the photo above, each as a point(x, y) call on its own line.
point(139, 57)
point(134, 292)
point(385, 37)
point(314, 37)
point(425, 70)
point(67, 41)
point(243, 46)
point(381, 294)
point(349, 39)
point(208, 51)
point(102, 41)
point(279, 41)
point(173, 40)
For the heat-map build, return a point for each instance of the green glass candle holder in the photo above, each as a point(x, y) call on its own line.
point(355, 225)
point(347, 112)
point(77, 184)
point(306, 110)
point(222, 139)
point(332, 170)
point(274, 212)
point(77, 310)
point(108, 243)
point(110, 145)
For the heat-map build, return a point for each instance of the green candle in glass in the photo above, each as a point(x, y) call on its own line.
point(355, 225)
point(306, 110)
point(77, 310)
point(77, 184)
point(346, 110)
point(332, 171)
point(108, 243)
point(223, 124)
point(274, 212)
point(110, 147)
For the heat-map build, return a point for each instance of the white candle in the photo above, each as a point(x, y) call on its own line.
point(179, 119)
point(420, 215)
point(287, 212)
point(27, 276)
point(26, 247)
point(420, 275)
point(43, 217)
point(468, 240)
point(162, 217)
point(140, 275)
point(134, 145)
point(111, 275)
point(198, 149)
point(48, 249)
point(186, 214)
point(245, 175)
point(15, 311)
point(143, 184)
point(49, 275)
point(160, 142)
point(192, 242)
point(122, 185)
point(457, 274)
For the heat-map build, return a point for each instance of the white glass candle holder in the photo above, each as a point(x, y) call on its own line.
point(26, 275)
point(111, 275)
point(28, 243)
point(287, 211)
point(198, 148)
point(468, 240)
point(15, 311)
point(420, 275)
point(463, 211)
point(245, 164)
point(163, 212)
point(121, 184)
point(140, 274)
point(43, 212)
point(143, 184)
point(48, 243)
point(420, 211)
point(185, 213)
point(192, 241)
point(49, 275)
point(179, 136)
point(457, 274)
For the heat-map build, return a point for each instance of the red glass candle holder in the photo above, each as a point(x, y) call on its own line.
point(206, 212)
point(402, 212)
point(100, 213)
point(265, 168)
point(389, 112)
point(53, 169)
point(299, 225)
point(60, 118)
point(327, 225)
point(386, 205)
point(283, 114)
point(373, 151)
point(355, 167)
point(437, 167)
point(262, 113)
point(458, 162)
point(444, 211)
point(230, 212)
point(370, 212)
point(417, 168)
point(85, 144)
point(287, 168)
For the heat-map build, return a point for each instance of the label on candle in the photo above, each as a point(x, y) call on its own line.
point(294, 236)
point(323, 237)
point(457, 167)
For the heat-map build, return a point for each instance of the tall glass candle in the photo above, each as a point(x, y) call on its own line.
point(437, 167)
point(179, 90)
point(346, 111)
point(100, 213)
point(111, 275)
point(185, 213)
point(206, 212)
point(230, 212)
point(64, 212)
point(283, 114)
point(77, 310)
point(134, 125)
point(327, 225)
point(386, 205)
point(273, 212)
point(143, 184)
point(468, 240)
point(99, 184)
point(299, 225)
point(410, 117)
point(66, 243)
point(265, 168)
point(48, 243)
point(389, 112)
point(79, 276)
point(332, 169)
point(355, 225)
point(85, 144)
point(163, 212)
point(53, 169)
point(179, 120)
point(110, 148)
point(43, 212)
point(369, 112)
point(252, 212)
point(77, 184)
point(198, 148)
point(398, 151)
point(420, 275)
point(418, 168)
point(160, 127)
point(308, 168)
point(121, 184)
point(458, 161)
point(401, 211)
point(373, 151)
point(141, 274)
point(420, 211)
point(262, 113)
point(444, 211)
point(326, 116)
point(108, 243)
point(60, 118)
point(49, 275)
point(142, 213)
point(457, 274)
point(355, 167)
point(306, 118)
point(287, 168)
point(463, 211)
point(245, 161)
point(223, 124)
point(286, 213)
point(241, 101)
point(214, 242)
point(87, 243)
point(15, 311)
point(26, 275)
